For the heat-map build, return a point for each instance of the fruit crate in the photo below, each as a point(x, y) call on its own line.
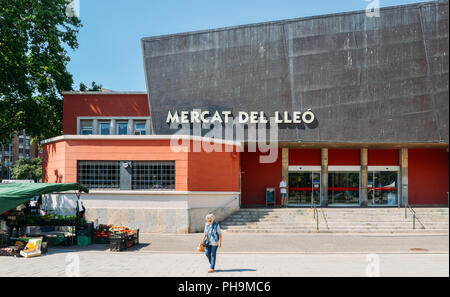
point(85, 230)
point(102, 240)
point(4, 240)
point(134, 237)
point(117, 244)
point(12, 251)
point(104, 234)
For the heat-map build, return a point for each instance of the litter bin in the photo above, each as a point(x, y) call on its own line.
point(270, 197)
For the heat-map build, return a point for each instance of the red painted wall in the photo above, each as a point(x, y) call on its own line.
point(60, 158)
point(96, 105)
point(384, 157)
point(257, 177)
point(428, 176)
point(200, 171)
point(344, 157)
point(305, 157)
point(214, 171)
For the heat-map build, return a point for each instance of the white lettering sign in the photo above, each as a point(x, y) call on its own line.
point(253, 117)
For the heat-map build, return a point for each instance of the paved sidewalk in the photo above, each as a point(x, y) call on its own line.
point(273, 255)
point(96, 263)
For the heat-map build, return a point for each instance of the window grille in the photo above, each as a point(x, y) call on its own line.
point(99, 174)
point(153, 175)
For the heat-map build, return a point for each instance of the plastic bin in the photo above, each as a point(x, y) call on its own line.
point(56, 240)
point(84, 240)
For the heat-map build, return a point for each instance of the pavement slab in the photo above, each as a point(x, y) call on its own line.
point(243, 255)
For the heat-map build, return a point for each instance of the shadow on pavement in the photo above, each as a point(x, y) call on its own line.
point(92, 248)
point(235, 270)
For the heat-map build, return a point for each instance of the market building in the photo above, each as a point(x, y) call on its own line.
point(360, 106)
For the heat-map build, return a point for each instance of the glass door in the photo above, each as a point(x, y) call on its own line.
point(304, 188)
point(343, 187)
point(383, 187)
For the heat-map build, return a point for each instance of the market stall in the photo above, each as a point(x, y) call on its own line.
point(27, 233)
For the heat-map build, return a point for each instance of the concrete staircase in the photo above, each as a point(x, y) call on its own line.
point(338, 220)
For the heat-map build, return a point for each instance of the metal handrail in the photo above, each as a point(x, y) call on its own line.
point(324, 217)
point(407, 206)
point(316, 215)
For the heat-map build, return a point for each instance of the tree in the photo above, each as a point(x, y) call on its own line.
point(27, 169)
point(33, 65)
point(94, 87)
point(3, 172)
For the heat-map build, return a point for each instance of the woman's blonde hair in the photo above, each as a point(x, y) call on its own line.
point(211, 217)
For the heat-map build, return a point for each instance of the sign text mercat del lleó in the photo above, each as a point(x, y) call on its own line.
point(253, 117)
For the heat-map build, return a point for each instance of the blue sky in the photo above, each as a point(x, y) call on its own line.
point(110, 40)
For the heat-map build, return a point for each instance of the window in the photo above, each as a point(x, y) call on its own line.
point(140, 128)
point(153, 175)
point(105, 128)
point(122, 128)
point(99, 174)
point(86, 127)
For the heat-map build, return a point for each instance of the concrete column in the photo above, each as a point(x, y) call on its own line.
point(285, 164)
point(131, 127)
point(324, 178)
point(403, 191)
point(95, 127)
point(147, 126)
point(125, 175)
point(112, 127)
point(364, 177)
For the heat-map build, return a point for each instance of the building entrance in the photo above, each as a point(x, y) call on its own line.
point(383, 186)
point(304, 186)
point(344, 185)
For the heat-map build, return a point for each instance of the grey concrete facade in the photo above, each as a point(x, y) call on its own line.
point(368, 80)
point(151, 212)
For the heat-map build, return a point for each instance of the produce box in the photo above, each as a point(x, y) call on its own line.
point(102, 240)
point(33, 248)
point(104, 234)
point(11, 251)
point(4, 240)
point(117, 244)
point(123, 238)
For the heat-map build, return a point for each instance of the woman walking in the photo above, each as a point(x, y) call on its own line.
point(212, 240)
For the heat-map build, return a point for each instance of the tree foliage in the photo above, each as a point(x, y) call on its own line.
point(94, 87)
point(27, 169)
point(34, 35)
